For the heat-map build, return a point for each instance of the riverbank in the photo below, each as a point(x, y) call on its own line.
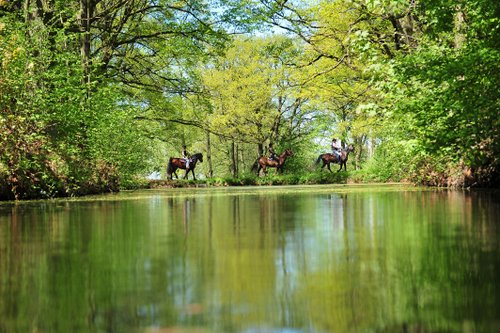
point(432, 179)
point(251, 180)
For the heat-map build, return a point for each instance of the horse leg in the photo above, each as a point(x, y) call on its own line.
point(172, 173)
point(342, 164)
point(328, 166)
point(192, 171)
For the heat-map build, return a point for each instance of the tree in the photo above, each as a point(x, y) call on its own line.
point(443, 94)
point(254, 95)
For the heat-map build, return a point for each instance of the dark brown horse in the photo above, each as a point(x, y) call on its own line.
point(331, 158)
point(265, 162)
point(175, 163)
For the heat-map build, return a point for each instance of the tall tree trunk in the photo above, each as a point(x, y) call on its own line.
point(27, 16)
point(209, 155)
point(345, 133)
point(237, 160)
point(371, 147)
point(459, 29)
point(260, 149)
point(87, 8)
point(234, 168)
point(398, 31)
point(358, 152)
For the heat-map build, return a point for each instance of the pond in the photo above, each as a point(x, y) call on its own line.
point(262, 259)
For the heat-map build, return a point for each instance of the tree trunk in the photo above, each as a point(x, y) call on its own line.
point(398, 31)
point(209, 156)
point(358, 152)
point(260, 150)
point(237, 160)
point(371, 148)
point(459, 29)
point(234, 169)
point(87, 8)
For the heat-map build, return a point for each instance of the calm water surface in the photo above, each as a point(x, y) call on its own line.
point(277, 259)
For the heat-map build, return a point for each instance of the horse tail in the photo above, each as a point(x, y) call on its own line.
point(170, 167)
point(255, 165)
point(319, 159)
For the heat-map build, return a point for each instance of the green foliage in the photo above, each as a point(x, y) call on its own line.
point(438, 95)
point(57, 136)
point(72, 93)
point(290, 178)
point(96, 107)
point(452, 95)
point(38, 118)
point(116, 139)
point(243, 86)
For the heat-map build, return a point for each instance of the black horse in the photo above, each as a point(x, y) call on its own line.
point(175, 163)
point(331, 158)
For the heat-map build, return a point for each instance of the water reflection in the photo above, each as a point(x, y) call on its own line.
point(367, 260)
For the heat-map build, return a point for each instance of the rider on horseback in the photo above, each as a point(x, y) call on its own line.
point(272, 153)
point(186, 156)
point(336, 148)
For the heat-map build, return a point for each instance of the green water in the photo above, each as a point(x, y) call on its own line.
point(276, 259)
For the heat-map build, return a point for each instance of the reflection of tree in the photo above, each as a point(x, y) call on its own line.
point(185, 214)
point(235, 216)
point(232, 261)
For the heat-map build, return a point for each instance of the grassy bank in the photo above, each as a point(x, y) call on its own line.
point(252, 180)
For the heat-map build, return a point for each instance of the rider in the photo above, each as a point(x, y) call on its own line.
point(336, 148)
point(272, 154)
point(186, 156)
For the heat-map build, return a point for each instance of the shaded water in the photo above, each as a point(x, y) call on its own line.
point(280, 259)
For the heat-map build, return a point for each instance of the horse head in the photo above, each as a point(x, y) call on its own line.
point(350, 148)
point(284, 155)
point(197, 157)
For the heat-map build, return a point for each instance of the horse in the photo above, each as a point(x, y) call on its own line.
point(175, 163)
point(263, 162)
point(332, 158)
